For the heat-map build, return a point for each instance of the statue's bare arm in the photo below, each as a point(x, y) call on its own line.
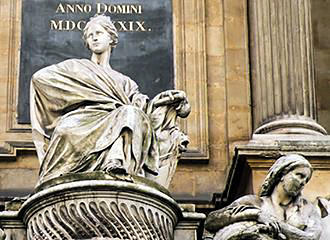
point(243, 209)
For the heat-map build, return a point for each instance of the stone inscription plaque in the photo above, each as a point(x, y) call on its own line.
point(51, 33)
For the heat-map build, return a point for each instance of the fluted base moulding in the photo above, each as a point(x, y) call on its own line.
point(292, 126)
point(101, 209)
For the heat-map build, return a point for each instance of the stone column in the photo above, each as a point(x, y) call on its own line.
point(283, 92)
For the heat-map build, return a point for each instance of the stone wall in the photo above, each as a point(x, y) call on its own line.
point(321, 38)
point(18, 169)
point(229, 116)
point(211, 57)
point(211, 64)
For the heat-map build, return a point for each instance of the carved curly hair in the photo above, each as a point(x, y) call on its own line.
point(106, 23)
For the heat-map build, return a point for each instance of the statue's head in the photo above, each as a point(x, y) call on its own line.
point(292, 171)
point(103, 22)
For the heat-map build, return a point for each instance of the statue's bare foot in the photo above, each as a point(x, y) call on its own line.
point(115, 166)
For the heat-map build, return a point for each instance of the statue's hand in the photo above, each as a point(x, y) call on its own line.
point(241, 208)
point(272, 225)
point(169, 97)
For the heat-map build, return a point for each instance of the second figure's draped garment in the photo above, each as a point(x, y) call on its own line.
point(79, 110)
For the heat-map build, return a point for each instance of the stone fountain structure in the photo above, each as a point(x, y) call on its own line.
point(107, 154)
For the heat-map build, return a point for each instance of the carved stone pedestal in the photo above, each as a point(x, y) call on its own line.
point(100, 206)
point(12, 226)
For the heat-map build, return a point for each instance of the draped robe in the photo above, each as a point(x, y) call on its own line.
point(239, 220)
point(79, 110)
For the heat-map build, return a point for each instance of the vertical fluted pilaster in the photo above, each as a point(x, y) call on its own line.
point(283, 90)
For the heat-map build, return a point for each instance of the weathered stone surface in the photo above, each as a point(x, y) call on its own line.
point(218, 13)
point(186, 229)
point(100, 208)
point(321, 42)
point(262, 151)
point(278, 212)
point(282, 67)
point(17, 182)
point(12, 225)
point(116, 130)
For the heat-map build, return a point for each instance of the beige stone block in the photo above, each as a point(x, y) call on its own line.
point(238, 93)
point(217, 97)
point(4, 5)
point(236, 35)
point(3, 94)
point(6, 21)
point(183, 183)
point(24, 160)
point(214, 114)
point(214, 12)
point(320, 19)
point(193, 73)
point(239, 123)
point(4, 72)
point(219, 157)
point(2, 107)
point(192, 184)
point(218, 131)
point(318, 185)
point(194, 11)
point(18, 179)
point(4, 35)
point(4, 62)
point(324, 118)
point(193, 39)
point(258, 177)
point(216, 71)
point(235, 9)
point(210, 182)
point(218, 139)
point(236, 64)
point(235, 24)
point(236, 39)
point(5, 9)
point(214, 41)
point(322, 58)
point(323, 92)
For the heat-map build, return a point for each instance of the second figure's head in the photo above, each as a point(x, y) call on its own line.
point(293, 171)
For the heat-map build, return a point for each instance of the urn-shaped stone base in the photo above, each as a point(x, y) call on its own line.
point(101, 209)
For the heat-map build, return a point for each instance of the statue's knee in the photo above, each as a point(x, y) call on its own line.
point(61, 131)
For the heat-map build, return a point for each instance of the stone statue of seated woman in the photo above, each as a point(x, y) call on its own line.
point(88, 117)
point(279, 212)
